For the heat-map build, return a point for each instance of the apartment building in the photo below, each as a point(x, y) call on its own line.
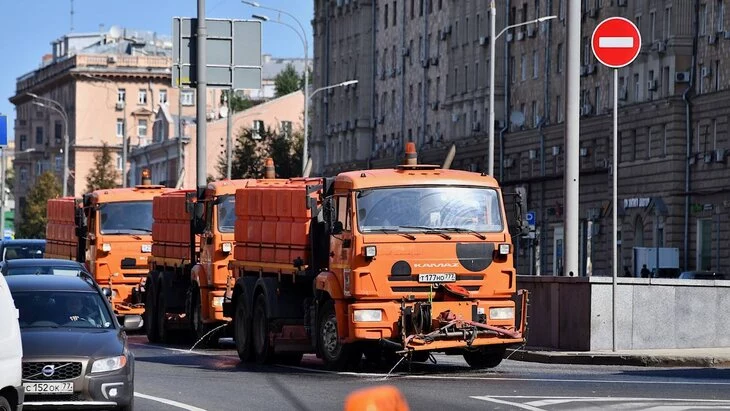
point(673, 138)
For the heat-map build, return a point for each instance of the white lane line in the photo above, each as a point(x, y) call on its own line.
point(615, 42)
point(168, 402)
point(349, 373)
point(549, 400)
point(183, 351)
point(512, 404)
point(466, 377)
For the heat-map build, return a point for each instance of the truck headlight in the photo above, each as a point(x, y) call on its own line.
point(368, 316)
point(217, 302)
point(502, 313)
point(106, 247)
point(109, 364)
point(346, 280)
point(146, 248)
point(504, 249)
point(370, 251)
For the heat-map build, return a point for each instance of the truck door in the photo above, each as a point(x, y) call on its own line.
point(341, 238)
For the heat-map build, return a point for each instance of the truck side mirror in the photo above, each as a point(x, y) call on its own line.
point(198, 218)
point(518, 227)
point(337, 227)
point(330, 214)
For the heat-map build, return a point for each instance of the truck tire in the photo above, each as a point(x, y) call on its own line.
point(242, 329)
point(260, 326)
point(336, 355)
point(484, 357)
point(198, 327)
point(4, 404)
point(162, 331)
point(150, 312)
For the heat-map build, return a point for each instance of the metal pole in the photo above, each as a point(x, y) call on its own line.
point(572, 139)
point(229, 142)
point(614, 171)
point(2, 193)
point(65, 159)
point(125, 144)
point(202, 33)
point(305, 149)
point(180, 134)
point(492, 54)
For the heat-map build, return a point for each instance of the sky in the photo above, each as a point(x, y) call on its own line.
point(27, 27)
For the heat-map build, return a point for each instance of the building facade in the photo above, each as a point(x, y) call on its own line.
point(673, 137)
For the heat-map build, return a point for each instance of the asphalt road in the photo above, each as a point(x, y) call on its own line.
point(173, 378)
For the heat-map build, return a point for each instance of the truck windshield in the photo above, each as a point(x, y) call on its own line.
point(414, 209)
point(132, 217)
point(227, 214)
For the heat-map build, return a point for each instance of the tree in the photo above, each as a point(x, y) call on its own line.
point(249, 154)
point(104, 174)
point(238, 103)
point(10, 180)
point(34, 213)
point(287, 81)
point(248, 157)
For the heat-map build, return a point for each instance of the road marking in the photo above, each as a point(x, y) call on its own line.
point(513, 404)
point(470, 377)
point(183, 351)
point(562, 400)
point(616, 42)
point(168, 402)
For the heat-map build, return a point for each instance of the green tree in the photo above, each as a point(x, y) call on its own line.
point(286, 151)
point(10, 180)
point(34, 213)
point(248, 157)
point(249, 154)
point(104, 174)
point(238, 103)
point(287, 81)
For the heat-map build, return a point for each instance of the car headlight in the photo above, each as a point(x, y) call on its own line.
point(502, 313)
point(368, 316)
point(109, 364)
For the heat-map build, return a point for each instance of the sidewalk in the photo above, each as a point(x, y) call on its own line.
point(691, 357)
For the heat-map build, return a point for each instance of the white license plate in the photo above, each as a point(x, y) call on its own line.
point(48, 387)
point(437, 278)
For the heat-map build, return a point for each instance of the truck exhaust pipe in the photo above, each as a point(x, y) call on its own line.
point(269, 170)
point(411, 155)
point(449, 157)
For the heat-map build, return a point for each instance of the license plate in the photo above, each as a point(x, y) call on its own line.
point(48, 387)
point(437, 278)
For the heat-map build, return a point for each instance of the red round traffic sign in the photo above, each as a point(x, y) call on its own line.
point(616, 42)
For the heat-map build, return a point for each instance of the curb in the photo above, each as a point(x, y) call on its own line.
point(618, 359)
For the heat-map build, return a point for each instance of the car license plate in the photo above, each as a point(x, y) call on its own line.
point(48, 387)
point(437, 278)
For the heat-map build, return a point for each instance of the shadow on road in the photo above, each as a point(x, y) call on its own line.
point(683, 373)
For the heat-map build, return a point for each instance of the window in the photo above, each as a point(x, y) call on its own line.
point(39, 135)
point(559, 109)
point(476, 75)
point(58, 132)
point(714, 134)
point(385, 16)
point(163, 96)
point(597, 101)
point(652, 26)
point(286, 128)
point(23, 175)
point(535, 116)
point(535, 64)
point(59, 163)
point(410, 94)
point(523, 67)
point(667, 22)
point(720, 16)
point(704, 244)
point(637, 88)
point(23, 142)
point(559, 58)
point(586, 51)
point(420, 8)
point(120, 127)
point(121, 95)
point(142, 96)
point(142, 127)
point(716, 74)
point(257, 130)
point(561, 9)
point(413, 7)
point(664, 145)
point(119, 162)
point(395, 13)
point(466, 78)
point(703, 19)
point(187, 97)
point(650, 143)
point(420, 94)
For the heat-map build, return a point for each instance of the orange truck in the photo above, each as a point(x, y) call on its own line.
point(409, 261)
point(111, 231)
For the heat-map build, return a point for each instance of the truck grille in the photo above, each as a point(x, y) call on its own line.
point(33, 371)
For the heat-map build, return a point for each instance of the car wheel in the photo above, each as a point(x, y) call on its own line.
point(261, 343)
point(336, 355)
point(484, 357)
point(4, 404)
point(242, 330)
point(150, 312)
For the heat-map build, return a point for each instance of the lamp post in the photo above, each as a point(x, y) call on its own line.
point(492, 42)
point(303, 37)
point(57, 107)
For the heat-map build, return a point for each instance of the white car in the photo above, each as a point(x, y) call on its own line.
point(11, 352)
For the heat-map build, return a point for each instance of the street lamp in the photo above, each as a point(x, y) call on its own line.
point(303, 37)
point(492, 41)
point(57, 107)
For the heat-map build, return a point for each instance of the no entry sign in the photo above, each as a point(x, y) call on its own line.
point(616, 42)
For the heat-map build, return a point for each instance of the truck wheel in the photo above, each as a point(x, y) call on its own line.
point(150, 312)
point(484, 357)
point(162, 331)
point(336, 355)
point(242, 330)
point(4, 404)
point(200, 329)
point(261, 343)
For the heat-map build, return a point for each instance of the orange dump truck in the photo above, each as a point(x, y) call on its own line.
point(410, 260)
point(189, 272)
point(111, 231)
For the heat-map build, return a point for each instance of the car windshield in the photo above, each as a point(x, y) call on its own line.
point(133, 217)
point(43, 270)
point(55, 309)
point(16, 251)
point(429, 208)
point(227, 214)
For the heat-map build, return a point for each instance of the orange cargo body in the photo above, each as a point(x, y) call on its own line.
point(61, 241)
point(171, 225)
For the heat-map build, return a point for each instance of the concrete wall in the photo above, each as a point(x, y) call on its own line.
point(575, 313)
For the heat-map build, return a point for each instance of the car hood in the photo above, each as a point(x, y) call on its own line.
point(64, 342)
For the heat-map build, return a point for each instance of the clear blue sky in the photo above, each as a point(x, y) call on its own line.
point(27, 28)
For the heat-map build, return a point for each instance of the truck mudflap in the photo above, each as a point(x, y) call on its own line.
point(455, 332)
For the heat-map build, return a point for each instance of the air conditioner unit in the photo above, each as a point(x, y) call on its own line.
point(584, 151)
point(708, 157)
point(651, 85)
point(681, 77)
point(405, 52)
point(454, 118)
point(508, 162)
point(706, 72)
point(586, 109)
point(434, 61)
point(531, 31)
point(509, 37)
point(593, 12)
point(475, 126)
point(661, 46)
point(623, 3)
point(712, 39)
point(720, 155)
point(520, 35)
point(623, 94)
point(483, 41)
point(556, 150)
point(120, 105)
point(726, 35)
point(532, 154)
point(435, 105)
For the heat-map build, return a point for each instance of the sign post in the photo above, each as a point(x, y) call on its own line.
point(3, 147)
point(616, 43)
